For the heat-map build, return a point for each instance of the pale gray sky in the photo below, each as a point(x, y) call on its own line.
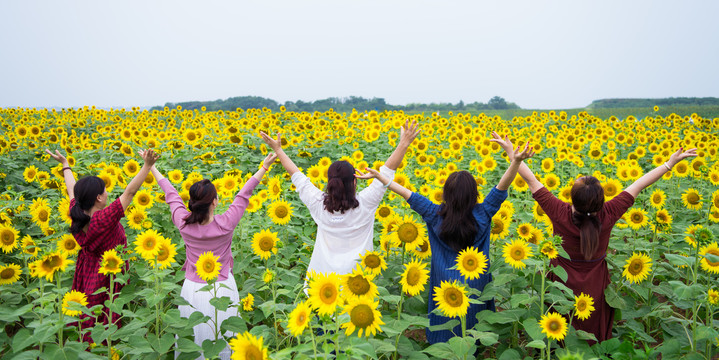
point(539, 54)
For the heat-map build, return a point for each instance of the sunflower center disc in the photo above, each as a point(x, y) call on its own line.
point(413, 276)
point(328, 294)
point(7, 273)
point(453, 297)
point(362, 316)
point(266, 244)
point(281, 212)
point(358, 285)
point(407, 233)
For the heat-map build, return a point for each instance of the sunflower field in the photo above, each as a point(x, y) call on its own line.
point(663, 256)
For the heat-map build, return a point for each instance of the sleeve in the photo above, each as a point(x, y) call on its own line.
point(372, 194)
point(493, 201)
point(422, 206)
point(549, 203)
point(616, 207)
point(177, 206)
point(308, 192)
point(234, 213)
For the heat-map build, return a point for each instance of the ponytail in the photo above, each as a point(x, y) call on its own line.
point(202, 195)
point(588, 199)
point(340, 194)
point(86, 192)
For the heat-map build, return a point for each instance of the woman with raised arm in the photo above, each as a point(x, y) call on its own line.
point(203, 231)
point(585, 226)
point(96, 227)
point(459, 223)
point(344, 218)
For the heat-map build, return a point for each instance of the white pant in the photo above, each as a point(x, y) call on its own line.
point(200, 301)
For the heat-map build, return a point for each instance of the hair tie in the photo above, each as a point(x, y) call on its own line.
point(588, 214)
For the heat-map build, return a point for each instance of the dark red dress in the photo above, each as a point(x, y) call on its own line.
point(104, 232)
point(586, 276)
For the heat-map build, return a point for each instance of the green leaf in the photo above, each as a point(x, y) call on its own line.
point(461, 346)
point(440, 350)
point(533, 329)
point(21, 340)
point(560, 272)
point(510, 354)
point(221, 303)
point(613, 299)
point(487, 338)
point(679, 260)
point(186, 345)
point(449, 325)
point(234, 324)
point(521, 299)
point(537, 344)
point(211, 349)
point(685, 292)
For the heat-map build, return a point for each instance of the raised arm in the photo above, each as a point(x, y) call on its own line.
point(66, 172)
point(407, 134)
point(393, 186)
point(149, 157)
point(276, 146)
point(266, 163)
point(651, 177)
point(515, 159)
point(529, 178)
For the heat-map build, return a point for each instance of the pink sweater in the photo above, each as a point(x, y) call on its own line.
point(215, 236)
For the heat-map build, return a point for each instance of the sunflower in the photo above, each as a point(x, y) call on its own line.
point(63, 208)
point(713, 296)
point(524, 230)
point(264, 244)
point(612, 188)
point(131, 167)
point(135, 218)
point(9, 273)
point(280, 212)
point(691, 234)
point(68, 245)
point(519, 184)
point(715, 199)
point(414, 278)
point(451, 299)
point(662, 217)
point(299, 318)
point(110, 263)
point(268, 276)
point(681, 169)
point(714, 177)
point(637, 268)
point(548, 249)
point(144, 199)
point(28, 246)
point(363, 317)
point(409, 232)
point(49, 264)
point(583, 306)
point(471, 263)
point(500, 228)
point(636, 218)
point(515, 252)
point(76, 297)
point(247, 347)
point(436, 195)
point(383, 212)
point(657, 198)
point(548, 165)
point(551, 181)
point(423, 250)
point(692, 199)
point(165, 254)
point(208, 268)
point(373, 262)
point(41, 214)
point(324, 293)
point(8, 238)
point(147, 244)
point(274, 186)
point(108, 179)
point(175, 176)
point(247, 302)
point(30, 173)
point(708, 265)
point(554, 325)
point(357, 284)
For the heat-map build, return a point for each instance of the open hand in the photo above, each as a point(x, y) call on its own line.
point(370, 174)
point(58, 157)
point(409, 132)
point(274, 144)
point(512, 153)
point(679, 156)
point(269, 159)
point(149, 156)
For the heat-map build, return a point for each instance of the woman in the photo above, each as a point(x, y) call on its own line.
point(460, 222)
point(203, 231)
point(344, 218)
point(96, 227)
point(585, 226)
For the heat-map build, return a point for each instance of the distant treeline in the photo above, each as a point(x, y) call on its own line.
point(649, 103)
point(338, 104)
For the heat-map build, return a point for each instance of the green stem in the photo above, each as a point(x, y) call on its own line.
point(337, 333)
point(109, 315)
point(217, 331)
point(59, 308)
point(157, 306)
point(314, 343)
point(549, 348)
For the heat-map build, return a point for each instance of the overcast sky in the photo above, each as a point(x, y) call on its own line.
point(538, 54)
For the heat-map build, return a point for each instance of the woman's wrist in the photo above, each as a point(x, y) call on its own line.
point(267, 168)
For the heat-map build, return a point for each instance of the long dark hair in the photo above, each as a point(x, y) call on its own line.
point(588, 198)
point(86, 191)
point(202, 195)
point(458, 227)
point(340, 194)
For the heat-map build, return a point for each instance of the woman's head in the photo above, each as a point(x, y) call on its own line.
point(203, 200)
point(587, 199)
point(89, 191)
point(341, 187)
point(458, 227)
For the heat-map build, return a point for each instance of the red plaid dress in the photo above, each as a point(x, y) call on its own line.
point(104, 232)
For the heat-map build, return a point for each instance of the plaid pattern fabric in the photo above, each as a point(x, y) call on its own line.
point(104, 233)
